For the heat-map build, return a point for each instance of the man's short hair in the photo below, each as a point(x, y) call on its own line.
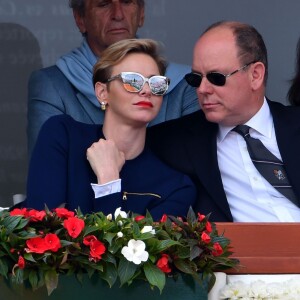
point(79, 5)
point(250, 43)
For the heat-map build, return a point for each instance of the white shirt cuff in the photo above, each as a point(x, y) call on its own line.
point(108, 188)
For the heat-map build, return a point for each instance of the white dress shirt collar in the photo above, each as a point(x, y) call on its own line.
point(261, 122)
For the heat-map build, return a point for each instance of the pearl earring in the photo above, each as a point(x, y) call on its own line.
point(103, 105)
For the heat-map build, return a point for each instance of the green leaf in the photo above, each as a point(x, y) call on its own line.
point(136, 230)
point(195, 252)
point(165, 244)
point(191, 217)
point(115, 246)
point(13, 222)
point(3, 268)
point(126, 270)
point(211, 282)
point(29, 257)
point(91, 229)
point(33, 279)
point(185, 266)
point(155, 276)
point(109, 258)
point(91, 271)
point(19, 273)
point(110, 274)
point(183, 252)
point(143, 236)
point(108, 236)
point(65, 243)
point(51, 281)
point(162, 234)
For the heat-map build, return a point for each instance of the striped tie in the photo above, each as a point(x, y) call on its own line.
point(269, 166)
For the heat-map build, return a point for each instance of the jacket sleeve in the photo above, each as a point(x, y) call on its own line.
point(178, 195)
point(47, 174)
point(178, 201)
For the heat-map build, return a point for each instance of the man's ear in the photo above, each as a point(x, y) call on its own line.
point(142, 17)
point(258, 72)
point(79, 20)
point(101, 91)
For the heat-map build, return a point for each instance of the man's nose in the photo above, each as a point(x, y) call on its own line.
point(117, 11)
point(205, 86)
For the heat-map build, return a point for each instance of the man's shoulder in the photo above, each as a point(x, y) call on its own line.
point(50, 83)
point(279, 109)
point(51, 71)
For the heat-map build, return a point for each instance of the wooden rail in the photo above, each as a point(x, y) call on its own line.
point(264, 248)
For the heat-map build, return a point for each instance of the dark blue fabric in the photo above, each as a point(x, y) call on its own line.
point(60, 173)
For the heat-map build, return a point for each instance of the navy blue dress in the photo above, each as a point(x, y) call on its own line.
point(60, 173)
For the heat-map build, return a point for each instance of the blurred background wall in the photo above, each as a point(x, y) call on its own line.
point(34, 33)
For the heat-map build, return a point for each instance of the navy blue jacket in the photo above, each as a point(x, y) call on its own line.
point(60, 173)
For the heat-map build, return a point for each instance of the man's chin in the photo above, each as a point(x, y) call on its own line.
point(116, 36)
point(213, 117)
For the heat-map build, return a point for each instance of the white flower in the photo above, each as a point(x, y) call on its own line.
point(135, 251)
point(121, 213)
point(260, 290)
point(120, 234)
point(235, 290)
point(148, 229)
point(109, 217)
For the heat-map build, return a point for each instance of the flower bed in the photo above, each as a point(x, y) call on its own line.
point(36, 247)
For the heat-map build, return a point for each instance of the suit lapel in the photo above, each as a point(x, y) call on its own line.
point(202, 149)
point(287, 129)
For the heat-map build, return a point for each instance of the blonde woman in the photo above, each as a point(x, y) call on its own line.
point(101, 168)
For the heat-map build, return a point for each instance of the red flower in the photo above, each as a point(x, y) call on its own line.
point(163, 218)
point(208, 227)
point(205, 237)
point(217, 249)
point(74, 226)
point(97, 248)
point(163, 263)
point(64, 213)
point(139, 218)
point(89, 239)
point(36, 245)
point(21, 262)
point(36, 215)
point(201, 217)
point(52, 242)
point(19, 212)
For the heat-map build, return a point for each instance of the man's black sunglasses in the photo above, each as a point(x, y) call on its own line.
point(216, 78)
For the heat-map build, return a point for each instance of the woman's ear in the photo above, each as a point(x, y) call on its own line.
point(101, 91)
point(258, 72)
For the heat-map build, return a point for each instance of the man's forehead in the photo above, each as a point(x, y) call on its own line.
point(216, 41)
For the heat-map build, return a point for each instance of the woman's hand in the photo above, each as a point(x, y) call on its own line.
point(106, 160)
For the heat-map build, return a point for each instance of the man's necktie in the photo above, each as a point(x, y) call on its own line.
point(269, 166)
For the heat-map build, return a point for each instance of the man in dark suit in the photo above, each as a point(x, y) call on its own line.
point(230, 70)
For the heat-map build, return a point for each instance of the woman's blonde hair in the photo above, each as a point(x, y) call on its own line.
point(118, 51)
